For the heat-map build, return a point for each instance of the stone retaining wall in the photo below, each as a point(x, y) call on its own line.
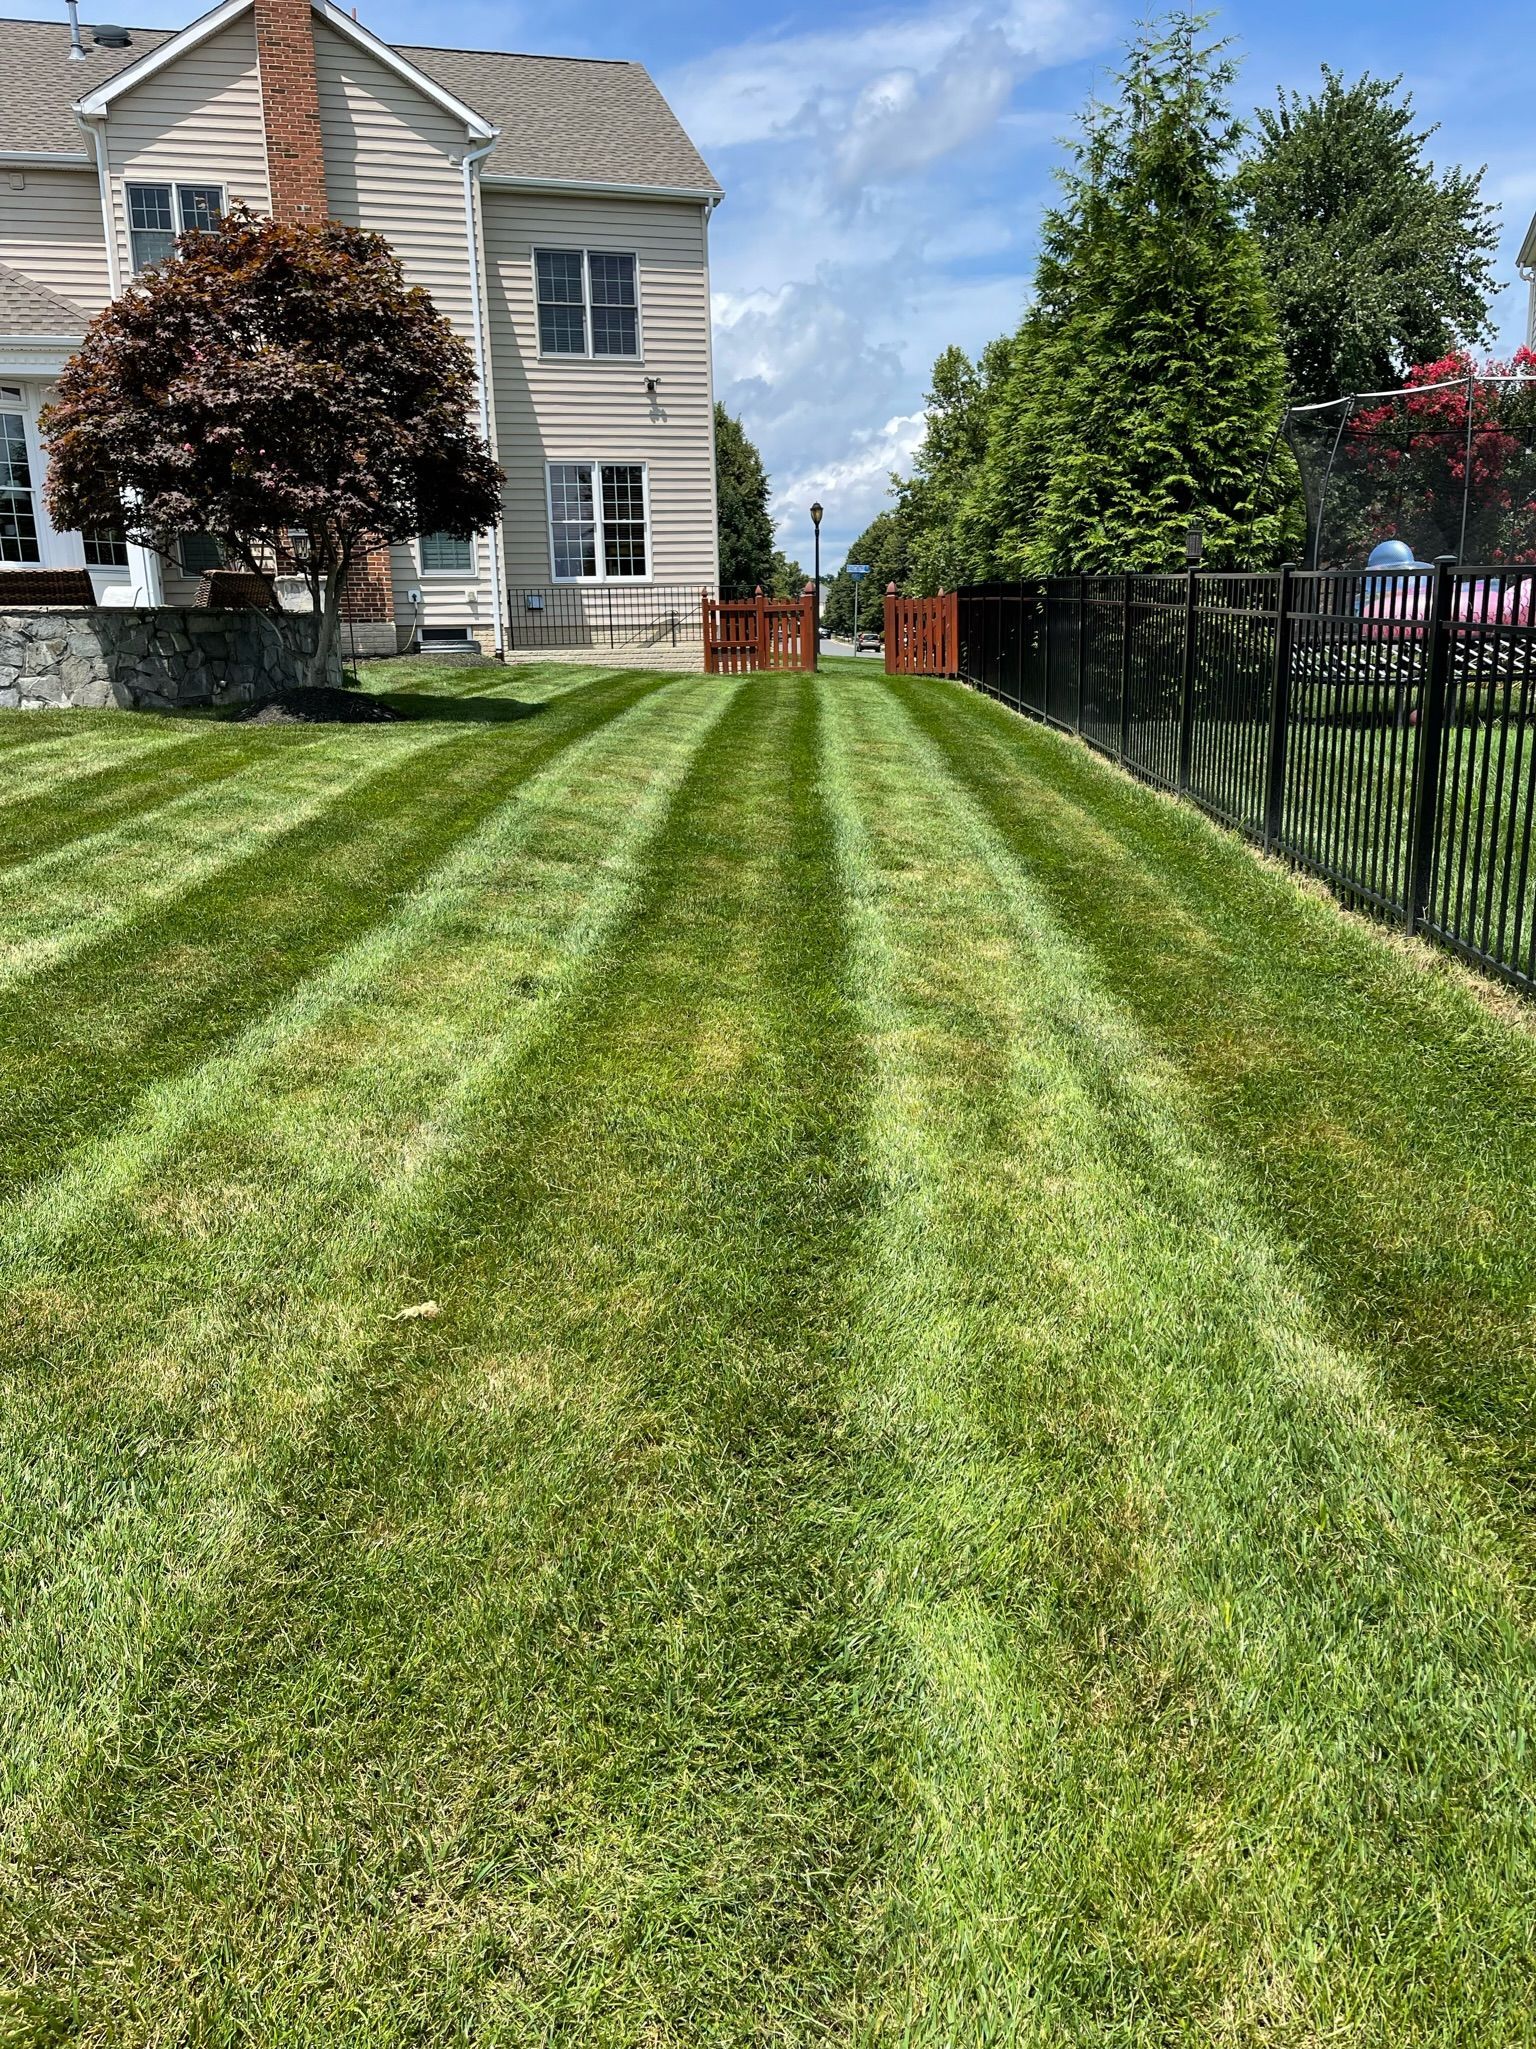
point(159, 660)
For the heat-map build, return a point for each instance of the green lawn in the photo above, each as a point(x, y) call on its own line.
point(973, 1479)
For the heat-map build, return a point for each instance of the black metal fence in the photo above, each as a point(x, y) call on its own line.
point(608, 615)
point(1376, 729)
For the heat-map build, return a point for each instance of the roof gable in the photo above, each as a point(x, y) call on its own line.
point(31, 312)
point(100, 98)
point(563, 121)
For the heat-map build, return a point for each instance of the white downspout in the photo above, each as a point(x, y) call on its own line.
point(471, 164)
point(144, 580)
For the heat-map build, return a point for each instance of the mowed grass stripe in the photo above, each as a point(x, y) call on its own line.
point(79, 746)
point(544, 1657)
point(147, 1423)
point(73, 897)
point(189, 977)
point(1225, 1695)
point(1379, 1113)
point(72, 808)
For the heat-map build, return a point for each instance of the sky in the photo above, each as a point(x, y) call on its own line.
point(886, 166)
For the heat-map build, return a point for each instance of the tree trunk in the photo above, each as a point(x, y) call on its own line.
point(327, 628)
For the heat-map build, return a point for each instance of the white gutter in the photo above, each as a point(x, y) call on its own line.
point(43, 159)
point(698, 193)
point(95, 128)
point(471, 163)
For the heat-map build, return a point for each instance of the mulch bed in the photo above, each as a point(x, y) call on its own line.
point(319, 706)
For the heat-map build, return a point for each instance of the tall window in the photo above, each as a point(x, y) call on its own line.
point(158, 213)
point(597, 522)
point(589, 303)
point(447, 552)
point(18, 511)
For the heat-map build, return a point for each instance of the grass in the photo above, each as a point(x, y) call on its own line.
point(971, 1481)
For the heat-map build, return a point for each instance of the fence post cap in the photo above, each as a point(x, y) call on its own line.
point(890, 590)
point(759, 590)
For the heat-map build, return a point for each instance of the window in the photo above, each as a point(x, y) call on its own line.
point(200, 553)
point(589, 303)
point(615, 316)
point(447, 553)
point(18, 512)
point(597, 521)
point(105, 548)
point(156, 213)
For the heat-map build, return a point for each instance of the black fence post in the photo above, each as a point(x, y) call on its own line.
point(1082, 645)
point(1426, 766)
point(1187, 685)
point(1279, 712)
point(1125, 667)
point(1045, 636)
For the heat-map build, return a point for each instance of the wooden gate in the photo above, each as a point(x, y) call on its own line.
point(745, 635)
point(922, 635)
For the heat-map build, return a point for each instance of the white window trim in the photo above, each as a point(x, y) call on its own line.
point(586, 254)
point(463, 576)
point(56, 549)
point(598, 463)
point(175, 183)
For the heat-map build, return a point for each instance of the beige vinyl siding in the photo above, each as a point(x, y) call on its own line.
point(447, 599)
point(197, 120)
point(50, 230)
point(390, 165)
point(573, 409)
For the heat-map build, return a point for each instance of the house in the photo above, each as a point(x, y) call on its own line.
point(553, 207)
point(1527, 264)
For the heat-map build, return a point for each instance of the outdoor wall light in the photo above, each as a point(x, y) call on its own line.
point(1194, 543)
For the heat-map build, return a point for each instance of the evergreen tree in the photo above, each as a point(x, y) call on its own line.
point(1374, 261)
point(746, 531)
point(1154, 360)
point(948, 541)
point(786, 578)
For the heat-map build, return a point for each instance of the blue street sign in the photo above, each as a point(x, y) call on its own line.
point(858, 568)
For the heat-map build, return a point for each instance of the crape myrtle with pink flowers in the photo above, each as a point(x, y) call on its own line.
point(282, 388)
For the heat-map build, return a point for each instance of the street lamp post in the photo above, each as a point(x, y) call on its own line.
point(816, 523)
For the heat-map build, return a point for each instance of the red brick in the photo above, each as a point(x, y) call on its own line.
point(290, 98)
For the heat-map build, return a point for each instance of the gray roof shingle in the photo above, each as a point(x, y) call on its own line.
point(570, 119)
point(28, 308)
point(39, 85)
point(578, 120)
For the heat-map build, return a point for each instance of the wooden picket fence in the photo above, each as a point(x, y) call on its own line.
point(745, 635)
point(922, 635)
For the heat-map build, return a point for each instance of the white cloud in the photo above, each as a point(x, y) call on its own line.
point(738, 95)
point(881, 212)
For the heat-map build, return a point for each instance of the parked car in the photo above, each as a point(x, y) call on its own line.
point(869, 643)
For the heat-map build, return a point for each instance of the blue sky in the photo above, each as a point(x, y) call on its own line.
point(885, 168)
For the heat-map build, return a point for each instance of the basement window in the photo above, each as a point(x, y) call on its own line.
point(158, 213)
point(105, 548)
point(447, 555)
point(200, 553)
point(444, 636)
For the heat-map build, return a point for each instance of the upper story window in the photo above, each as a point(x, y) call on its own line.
point(589, 302)
point(157, 214)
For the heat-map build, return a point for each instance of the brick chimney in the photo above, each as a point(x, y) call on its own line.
point(290, 102)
